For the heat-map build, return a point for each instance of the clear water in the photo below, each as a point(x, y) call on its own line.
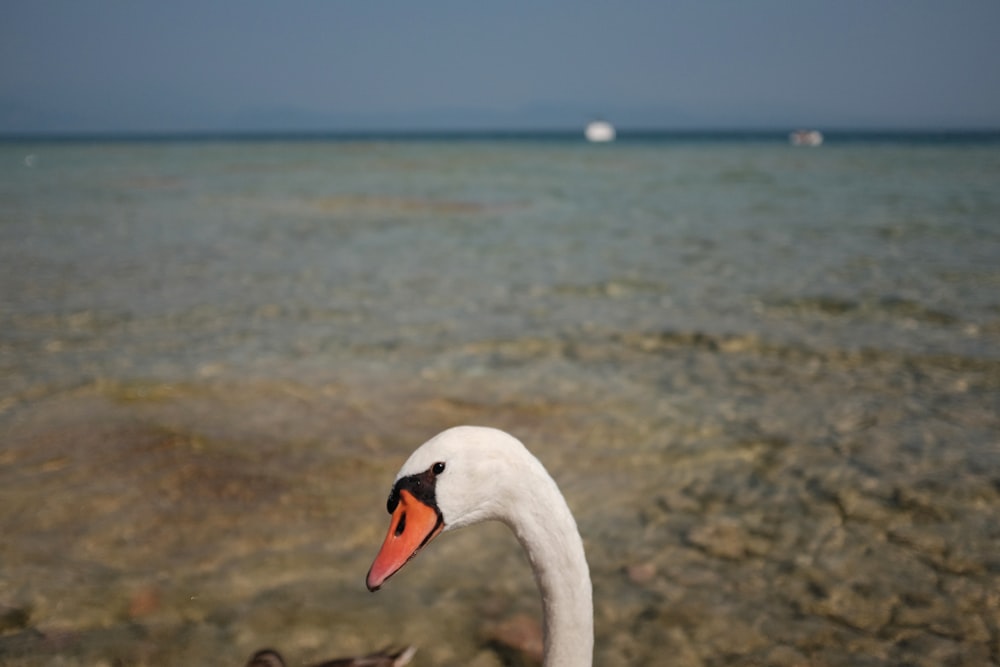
point(215, 354)
point(149, 260)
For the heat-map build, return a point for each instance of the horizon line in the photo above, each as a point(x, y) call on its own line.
point(401, 134)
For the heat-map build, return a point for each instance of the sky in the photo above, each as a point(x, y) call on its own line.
point(183, 66)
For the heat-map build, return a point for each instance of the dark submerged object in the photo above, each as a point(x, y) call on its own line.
point(387, 657)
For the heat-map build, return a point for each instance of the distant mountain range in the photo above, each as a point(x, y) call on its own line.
point(542, 116)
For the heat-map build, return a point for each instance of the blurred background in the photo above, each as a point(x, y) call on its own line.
point(255, 66)
point(251, 256)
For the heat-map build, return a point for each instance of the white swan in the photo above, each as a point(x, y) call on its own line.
point(469, 474)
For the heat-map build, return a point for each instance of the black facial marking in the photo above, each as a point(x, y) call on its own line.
point(420, 485)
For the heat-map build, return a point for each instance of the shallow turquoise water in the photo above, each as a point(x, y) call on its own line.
point(767, 379)
point(153, 259)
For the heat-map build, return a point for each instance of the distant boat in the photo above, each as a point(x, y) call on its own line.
point(599, 131)
point(806, 138)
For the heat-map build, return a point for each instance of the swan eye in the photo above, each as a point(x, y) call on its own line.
point(438, 468)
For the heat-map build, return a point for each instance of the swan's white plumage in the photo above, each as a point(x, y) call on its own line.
point(490, 475)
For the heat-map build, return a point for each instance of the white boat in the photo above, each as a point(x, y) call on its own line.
point(806, 138)
point(599, 131)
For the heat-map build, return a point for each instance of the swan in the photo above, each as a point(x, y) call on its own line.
point(469, 474)
point(268, 657)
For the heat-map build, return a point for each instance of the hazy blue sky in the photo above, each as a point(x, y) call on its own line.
point(97, 65)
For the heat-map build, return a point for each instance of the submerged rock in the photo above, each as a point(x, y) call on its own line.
point(517, 638)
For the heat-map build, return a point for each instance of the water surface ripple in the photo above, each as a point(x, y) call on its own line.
point(767, 379)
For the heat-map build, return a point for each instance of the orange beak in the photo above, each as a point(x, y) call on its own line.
point(413, 525)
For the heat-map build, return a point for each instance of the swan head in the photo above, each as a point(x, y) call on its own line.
point(461, 476)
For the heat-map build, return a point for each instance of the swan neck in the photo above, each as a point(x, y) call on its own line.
point(548, 533)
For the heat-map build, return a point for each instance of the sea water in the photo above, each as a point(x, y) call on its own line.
point(767, 377)
point(149, 259)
